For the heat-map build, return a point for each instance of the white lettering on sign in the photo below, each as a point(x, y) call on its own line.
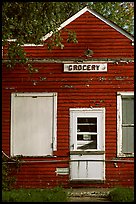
point(85, 67)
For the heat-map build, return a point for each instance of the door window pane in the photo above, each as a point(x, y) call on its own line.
point(86, 133)
point(86, 124)
point(90, 144)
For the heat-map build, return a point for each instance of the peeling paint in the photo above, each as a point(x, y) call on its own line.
point(34, 83)
point(119, 78)
point(78, 164)
point(43, 78)
point(101, 101)
point(67, 86)
point(10, 88)
point(87, 168)
point(102, 78)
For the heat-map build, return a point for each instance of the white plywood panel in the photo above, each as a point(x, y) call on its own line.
point(85, 169)
point(32, 132)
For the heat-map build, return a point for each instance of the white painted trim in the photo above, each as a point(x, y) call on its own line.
point(55, 121)
point(31, 94)
point(97, 16)
point(11, 40)
point(126, 93)
point(42, 94)
point(32, 45)
point(27, 44)
point(11, 125)
point(86, 109)
point(119, 121)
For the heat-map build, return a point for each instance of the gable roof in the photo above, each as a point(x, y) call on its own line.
point(113, 25)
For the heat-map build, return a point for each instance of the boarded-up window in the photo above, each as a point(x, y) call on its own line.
point(125, 103)
point(33, 124)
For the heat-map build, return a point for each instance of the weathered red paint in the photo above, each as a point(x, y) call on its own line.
point(74, 90)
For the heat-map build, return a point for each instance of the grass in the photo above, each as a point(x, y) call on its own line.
point(57, 194)
point(121, 194)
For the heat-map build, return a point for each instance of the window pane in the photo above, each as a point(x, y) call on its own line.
point(87, 120)
point(92, 144)
point(86, 137)
point(87, 128)
point(128, 140)
point(86, 124)
point(128, 110)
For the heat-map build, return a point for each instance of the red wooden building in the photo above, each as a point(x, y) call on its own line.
point(72, 120)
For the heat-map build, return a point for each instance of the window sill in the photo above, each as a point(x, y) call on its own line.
point(125, 155)
point(33, 157)
point(87, 152)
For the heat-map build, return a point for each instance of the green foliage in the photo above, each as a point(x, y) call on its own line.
point(56, 194)
point(7, 178)
point(121, 13)
point(28, 22)
point(15, 54)
point(8, 172)
point(121, 194)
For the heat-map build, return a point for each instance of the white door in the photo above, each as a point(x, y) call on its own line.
point(87, 144)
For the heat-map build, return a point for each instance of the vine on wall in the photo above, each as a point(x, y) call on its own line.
point(10, 167)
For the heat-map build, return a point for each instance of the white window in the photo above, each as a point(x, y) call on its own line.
point(125, 124)
point(33, 124)
point(87, 129)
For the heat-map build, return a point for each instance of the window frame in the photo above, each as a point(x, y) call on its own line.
point(54, 120)
point(120, 95)
point(85, 112)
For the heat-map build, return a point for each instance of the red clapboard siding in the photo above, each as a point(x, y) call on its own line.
point(104, 95)
point(75, 90)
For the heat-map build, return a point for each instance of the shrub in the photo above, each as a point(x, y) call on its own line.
point(9, 171)
point(121, 194)
point(7, 179)
point(57, 194)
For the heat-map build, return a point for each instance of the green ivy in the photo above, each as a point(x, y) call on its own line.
point(8, 170)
